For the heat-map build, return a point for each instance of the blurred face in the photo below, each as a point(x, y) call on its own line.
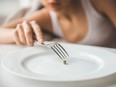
point(55, 5)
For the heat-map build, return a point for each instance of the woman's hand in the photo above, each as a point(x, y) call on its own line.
point(24, 33)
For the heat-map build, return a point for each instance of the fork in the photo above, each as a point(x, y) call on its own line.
point(58, 49)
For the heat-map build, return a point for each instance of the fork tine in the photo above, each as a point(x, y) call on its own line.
point(62, 50)
point(56, 52)
point(59, 51)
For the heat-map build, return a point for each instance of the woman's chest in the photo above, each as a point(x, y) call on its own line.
point(77, 25)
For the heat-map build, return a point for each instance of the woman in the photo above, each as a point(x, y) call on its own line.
point(91, 22)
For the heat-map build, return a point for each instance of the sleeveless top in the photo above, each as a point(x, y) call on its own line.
point(100, 30)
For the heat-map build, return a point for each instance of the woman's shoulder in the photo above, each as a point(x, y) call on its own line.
point(103, 5)
point(103, 2)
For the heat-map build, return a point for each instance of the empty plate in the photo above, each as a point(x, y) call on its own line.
point(41, 63)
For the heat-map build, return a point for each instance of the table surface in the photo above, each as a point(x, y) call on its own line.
point(7, 49)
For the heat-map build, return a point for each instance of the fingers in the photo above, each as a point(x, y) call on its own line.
point(37, 30)
point(16, 38)
point(24, 33)
point(28, 33)
point(21, 34)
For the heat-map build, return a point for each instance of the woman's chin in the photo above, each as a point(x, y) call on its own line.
point(55, 9)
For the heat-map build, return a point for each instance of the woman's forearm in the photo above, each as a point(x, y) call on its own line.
point(6, 36)
point(12, 24)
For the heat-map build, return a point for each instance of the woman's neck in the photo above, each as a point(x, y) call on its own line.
point(72, 8)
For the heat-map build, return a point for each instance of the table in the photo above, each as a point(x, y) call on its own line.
point(8, 49)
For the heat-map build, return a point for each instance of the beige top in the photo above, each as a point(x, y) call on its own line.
point(101, 31)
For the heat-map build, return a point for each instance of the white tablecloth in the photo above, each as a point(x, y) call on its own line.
point(7, 49)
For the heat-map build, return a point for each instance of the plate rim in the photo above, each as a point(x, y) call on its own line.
point(33, 78)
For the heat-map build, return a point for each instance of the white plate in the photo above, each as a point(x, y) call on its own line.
point(1, 82)
point(41, 63)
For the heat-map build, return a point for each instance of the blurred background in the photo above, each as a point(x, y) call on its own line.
point(6, 6)
point(9, 9)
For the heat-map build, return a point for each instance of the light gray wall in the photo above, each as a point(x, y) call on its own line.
point(7, 6)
